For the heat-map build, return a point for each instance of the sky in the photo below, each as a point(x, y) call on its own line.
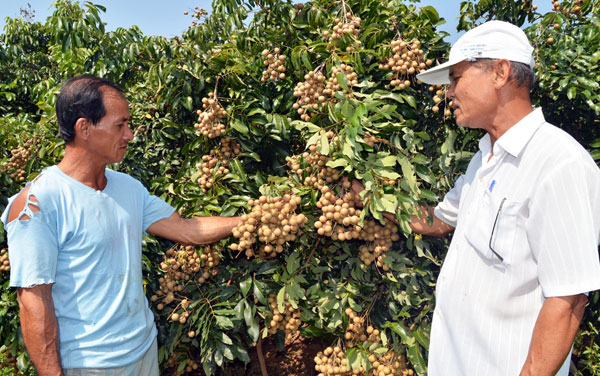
point(166, 18)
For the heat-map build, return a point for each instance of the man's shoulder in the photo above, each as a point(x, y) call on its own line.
point(561, 152)
point(121, 177)
point(122, 184)
point(560, 144)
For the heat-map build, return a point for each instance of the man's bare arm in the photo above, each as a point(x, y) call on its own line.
point(197, 230)
point(420, 225)
point(40, 328)
point(438, 228)
point(553, 334)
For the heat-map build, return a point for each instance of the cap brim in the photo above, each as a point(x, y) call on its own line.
point(438, 75)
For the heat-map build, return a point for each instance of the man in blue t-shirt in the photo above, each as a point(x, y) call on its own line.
point(75, 244)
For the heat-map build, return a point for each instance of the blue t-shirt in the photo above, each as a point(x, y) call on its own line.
point(88, 244)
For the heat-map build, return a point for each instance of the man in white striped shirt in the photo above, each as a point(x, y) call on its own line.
point(526, 221)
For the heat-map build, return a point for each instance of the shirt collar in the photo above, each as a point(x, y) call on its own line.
point(516, 137)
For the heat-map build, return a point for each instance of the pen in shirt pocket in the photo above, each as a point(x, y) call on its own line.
point(492, 184)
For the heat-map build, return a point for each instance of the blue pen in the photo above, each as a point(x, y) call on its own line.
point(492, 184)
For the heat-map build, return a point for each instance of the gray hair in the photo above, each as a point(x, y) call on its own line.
point(520, 73)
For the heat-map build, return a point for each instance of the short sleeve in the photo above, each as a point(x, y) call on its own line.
point(32, 250)
point(447, 210)
point(155, 209)
point(563, 228)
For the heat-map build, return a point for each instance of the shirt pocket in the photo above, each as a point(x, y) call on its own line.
point(493, 229)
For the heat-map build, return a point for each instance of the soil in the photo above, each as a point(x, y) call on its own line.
point(295, 360)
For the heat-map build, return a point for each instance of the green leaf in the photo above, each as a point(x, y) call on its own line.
point(417, 360)
point(224, 322)
point(388, 161)
point(245, 285)
point(300, 125)
point(182, 365)
point(306, 60)
point(281, 299)
point(240, 127)
point(410, 100)
point(324, 148)
point(293, 262)
point(431, 13)
point(341, 79)
point(409, 172)
point(225, 339)
point(340, 162)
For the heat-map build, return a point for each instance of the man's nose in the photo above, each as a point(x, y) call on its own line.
point(128, 134)
point(450, 92)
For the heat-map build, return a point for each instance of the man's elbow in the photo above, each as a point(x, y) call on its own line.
point(578, 304)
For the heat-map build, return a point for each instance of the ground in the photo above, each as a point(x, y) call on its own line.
point(295, 360)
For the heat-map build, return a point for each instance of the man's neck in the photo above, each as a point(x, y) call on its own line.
point(82, 168)
point(511, 110)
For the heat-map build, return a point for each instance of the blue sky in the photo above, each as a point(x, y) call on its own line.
point(160, 17)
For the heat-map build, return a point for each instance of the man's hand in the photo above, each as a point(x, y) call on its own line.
point(40, 328)
point(197, 230)
point(553, 334)
point(419, 225)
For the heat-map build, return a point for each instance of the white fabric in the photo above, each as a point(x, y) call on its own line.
point(544, 189)
point(493, 39)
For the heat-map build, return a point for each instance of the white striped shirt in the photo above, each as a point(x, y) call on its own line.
point(527, 228)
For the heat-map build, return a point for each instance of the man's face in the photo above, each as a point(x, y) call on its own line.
point(473, 95)
point(108, 139)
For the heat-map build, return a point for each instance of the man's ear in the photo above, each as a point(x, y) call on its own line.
point(502, 70)
point(81, 127)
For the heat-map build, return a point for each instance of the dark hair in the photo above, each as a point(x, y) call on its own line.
point(521, 73)
point(81, 97)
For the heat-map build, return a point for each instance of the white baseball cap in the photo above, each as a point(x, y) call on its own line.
point(493, 39)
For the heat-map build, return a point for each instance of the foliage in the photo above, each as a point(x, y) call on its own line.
point(382, 134)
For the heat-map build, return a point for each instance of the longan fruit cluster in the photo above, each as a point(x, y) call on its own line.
point(340, 216)
point(343, 26)
point(576, 8)
point(198, 13)
point(180, 317)
point(180, 265)
point(439, 96)
point(221, 156)
point(389, 182)
point(356, 331)
point(210, 259)
point(405, 59)
point(191, 366)
point(274, 63)
point(314, 164)
point(209, 121)
point(287, 321)
point(334, 86)
point(176, 358)
point(370, 139)
point(273, 222)
point(4, 263)
point(15, 167)
point(310, 93)
point(388, 364)
point(379, 240)
point(332, 362)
